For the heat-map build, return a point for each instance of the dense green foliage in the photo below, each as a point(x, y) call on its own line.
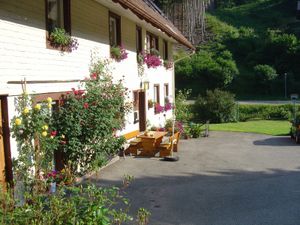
point(266, 112)
point(271, 127)
point(88, 120)
point(216, 106)
point(211, 67)
point(70, 205)
point(183, 110)
point(254, 32)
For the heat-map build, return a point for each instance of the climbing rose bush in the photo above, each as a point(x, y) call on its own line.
point(87, 120)
point(33, 129)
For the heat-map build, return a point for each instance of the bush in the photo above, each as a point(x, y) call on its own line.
point(88, 119)
point(195, 130)
point(266, 112)
point(216, 106)
point(69, 205)
point(265, 73)
point(183, 111)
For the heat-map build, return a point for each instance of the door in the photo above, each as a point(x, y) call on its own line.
point(2, 153)
point(142, 111)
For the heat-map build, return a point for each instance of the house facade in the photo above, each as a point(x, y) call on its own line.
point(98, 25)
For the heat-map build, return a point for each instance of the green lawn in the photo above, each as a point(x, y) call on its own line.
point(272, 127)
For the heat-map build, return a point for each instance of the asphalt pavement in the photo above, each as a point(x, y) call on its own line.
point(226, 179)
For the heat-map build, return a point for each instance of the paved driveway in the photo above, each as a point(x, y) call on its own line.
point(226, 179)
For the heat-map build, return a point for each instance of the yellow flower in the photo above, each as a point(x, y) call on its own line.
point(37, 107)
point(63, 136)
point(45, 127)
point(26, 111)
point(49, 100)
point(44, 133)
point(49, 106)
point(18, 122)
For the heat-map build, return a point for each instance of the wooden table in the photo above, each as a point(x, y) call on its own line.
point(151, 142)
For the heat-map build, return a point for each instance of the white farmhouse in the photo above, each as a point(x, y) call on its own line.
point(26, 53)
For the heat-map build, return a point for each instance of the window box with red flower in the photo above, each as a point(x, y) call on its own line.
point(151, 58)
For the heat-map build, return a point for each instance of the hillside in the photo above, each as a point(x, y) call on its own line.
point(262, 38)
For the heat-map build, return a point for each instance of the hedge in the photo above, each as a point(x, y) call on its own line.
point(265, 112)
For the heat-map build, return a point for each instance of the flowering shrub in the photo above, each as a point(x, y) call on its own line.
point(87, 120)
point(178, 126)
point(159, 108)
point(59, 38)
point(118, 53)
point(35, 134)
point(168, 64)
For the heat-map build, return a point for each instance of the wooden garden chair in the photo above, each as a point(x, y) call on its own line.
point(165, 148)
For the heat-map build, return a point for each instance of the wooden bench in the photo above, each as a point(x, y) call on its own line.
point(165, 148)
point(134, 142)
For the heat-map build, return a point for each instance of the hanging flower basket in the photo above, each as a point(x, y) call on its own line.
point(150, 104)
point(118, 53)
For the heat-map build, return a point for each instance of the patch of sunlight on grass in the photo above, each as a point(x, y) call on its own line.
point(271, 127)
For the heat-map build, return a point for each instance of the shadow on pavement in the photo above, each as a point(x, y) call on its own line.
point(276, 141)
point(270, 197)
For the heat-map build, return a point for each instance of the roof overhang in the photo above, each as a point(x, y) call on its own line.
point(144, 12)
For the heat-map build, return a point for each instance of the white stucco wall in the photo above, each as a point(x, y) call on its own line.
point(23, 53)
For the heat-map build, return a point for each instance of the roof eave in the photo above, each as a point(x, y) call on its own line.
point(143, 14)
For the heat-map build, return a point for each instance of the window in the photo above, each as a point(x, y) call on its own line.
point(114, 29)
point(166, 50)
point(58, 15)
point(139, 44)
point(135, 100)
point(136, 106)
point(152, 41)
point(166, 90)
point(156, 93)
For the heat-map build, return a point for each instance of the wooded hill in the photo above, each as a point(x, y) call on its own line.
point(248, 46)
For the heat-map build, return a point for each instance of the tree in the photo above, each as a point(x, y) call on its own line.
point(212, 67)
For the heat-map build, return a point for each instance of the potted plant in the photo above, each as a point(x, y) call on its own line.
point(59, 38)
point(168, 64)
point(150, 103)
point(118, 53)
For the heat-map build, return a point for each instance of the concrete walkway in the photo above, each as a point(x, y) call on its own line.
point(226, 179)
